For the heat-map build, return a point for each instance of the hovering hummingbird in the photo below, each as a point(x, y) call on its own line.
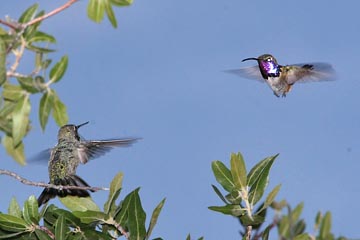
point(281, 78)
point(65, 157)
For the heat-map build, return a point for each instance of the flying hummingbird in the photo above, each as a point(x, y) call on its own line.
point(65, 157)
point(281, 78)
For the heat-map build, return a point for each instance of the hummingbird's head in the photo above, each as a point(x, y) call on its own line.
point(267, 64)
point(70, 132)
point(263, 58)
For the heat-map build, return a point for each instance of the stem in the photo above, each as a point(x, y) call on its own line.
point(42, 184)
point(47, 231)
point(248, 232)
point(55, 11)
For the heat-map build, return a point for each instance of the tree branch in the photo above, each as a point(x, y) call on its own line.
point(42, 184)
point(10, 25)
point(55, 11)
point(46, 230)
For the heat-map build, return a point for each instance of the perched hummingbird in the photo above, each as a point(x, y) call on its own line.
point(281, 78)
point(65, 157)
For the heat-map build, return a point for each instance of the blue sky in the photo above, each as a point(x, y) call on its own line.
point(159, 76)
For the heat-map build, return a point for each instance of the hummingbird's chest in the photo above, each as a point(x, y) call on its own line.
point(64, 160)
point(278, 85)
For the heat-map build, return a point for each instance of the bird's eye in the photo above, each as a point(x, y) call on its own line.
point(269, 59)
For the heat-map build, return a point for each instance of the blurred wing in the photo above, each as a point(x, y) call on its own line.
point(92, 149)
point(307, 72)
point(42, 157)
point(248, 72)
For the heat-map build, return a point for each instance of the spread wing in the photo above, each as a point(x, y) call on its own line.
point(307, 72)
point(95, 148)
point(248, 72)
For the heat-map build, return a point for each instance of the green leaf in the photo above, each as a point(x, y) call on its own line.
point(96, 9)
point(121, 3)
point(42, 37)
point(270, 198)
point(28, 14)
point(217, 191)
point(12, 92)
point(2, 62)
point(10, 235)
point(223, 175)
point(28, 84)
point(154, 218)
point(110, 13)
point(115, 188)
point(5, 125)
point(31, 210)
point(90, 216)
point(39, 49)
point(256, 172)
point(233, 210)
point(234, 197)
point(14, 208)
point(303, 236)
point(122, 215)
point(41, 235)
point(259, 179)
point(238, 171)
point(266, 232)
point(284, 226)
point(318, 220)
point(255, 220)
point(58, 70)
point(295, 214)
point(16, 152)
point(21, 119)
point(136, 218)
point(46, 104)
point(60, 228)
point(325, 226)
point(11, 223)
point(82, 204)
point(59, 112)
point(299, 227)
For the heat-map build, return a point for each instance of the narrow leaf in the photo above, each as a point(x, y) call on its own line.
point(122, 214)
point(258, 169)
point(217, 191)
point(2, 62)
point(121, 3)
point(60, 228)
point(41, 235)
point(16, 152)
point(255, 220)
point(136, 218)
point(31, 210)
point(10, 235)
point(238, 170)
point(115, 188)
point(75, 203)
point(28, 84)
point(42, 37)
point(295, 214)
point(58, 70)
point(270, 198)
point(90, 216)
point(303, 236)
point(223, 175)
point(234, 210)
point(325, 226)
point(110, 13)
point(14, 208)
point(11, 223)
point(154, 218)
point(12, 92)
point(28, 14)
point(59, 112)
point(46, 104)
point(21, 119)
point(96, 10)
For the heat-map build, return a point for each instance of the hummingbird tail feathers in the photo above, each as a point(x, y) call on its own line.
point(72, 180)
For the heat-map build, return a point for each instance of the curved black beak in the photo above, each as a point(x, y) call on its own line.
point(246, 59)
point(80, 125)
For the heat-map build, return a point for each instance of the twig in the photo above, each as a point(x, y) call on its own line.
point(55, 11)
point(46, 230)
point(42, 184)
point(18, 55)
point(248, 232)
point(271, 226)
point(121, 230)
point(12, 26)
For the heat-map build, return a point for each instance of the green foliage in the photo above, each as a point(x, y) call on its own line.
point(244, 189)
point(81, 222)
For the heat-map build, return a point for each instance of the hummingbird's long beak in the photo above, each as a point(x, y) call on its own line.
point(246, 59)
point(80, 125)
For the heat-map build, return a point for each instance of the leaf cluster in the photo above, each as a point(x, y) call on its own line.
point(83, 221)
